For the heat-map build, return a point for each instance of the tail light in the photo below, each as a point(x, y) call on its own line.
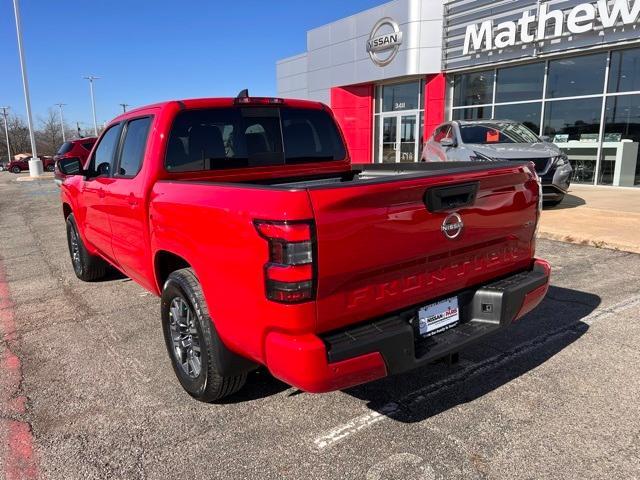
point(290, 273)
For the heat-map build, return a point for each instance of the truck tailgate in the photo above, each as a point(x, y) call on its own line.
point(380, 249)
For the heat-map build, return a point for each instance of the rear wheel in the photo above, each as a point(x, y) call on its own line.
point(16, 169)
point(191, 339)
point(50, 168)
point(87, 267)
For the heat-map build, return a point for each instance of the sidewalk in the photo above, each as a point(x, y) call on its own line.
point(606, 217)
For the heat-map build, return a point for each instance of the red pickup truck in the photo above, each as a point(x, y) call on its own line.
point(268, 247)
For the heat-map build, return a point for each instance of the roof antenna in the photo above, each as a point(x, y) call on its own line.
point(243, 93)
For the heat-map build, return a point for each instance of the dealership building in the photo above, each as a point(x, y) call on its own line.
point(569, 70)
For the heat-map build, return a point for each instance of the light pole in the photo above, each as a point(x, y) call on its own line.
point(124, 107)
point(60, 105)
point(6, 131)
point(91, 78)
point(35, 165)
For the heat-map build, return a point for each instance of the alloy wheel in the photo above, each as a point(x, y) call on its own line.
point(184, 337)
point(75, 250)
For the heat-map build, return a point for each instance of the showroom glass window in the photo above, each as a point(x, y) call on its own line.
point(569, 109)
point(473, 88)
point(624, 71)
point(525, 113)
point(622, 130)
point(576, 76)
point(524, 82)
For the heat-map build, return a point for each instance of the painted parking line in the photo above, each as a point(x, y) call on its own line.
point(20, 462)
point(421, 395)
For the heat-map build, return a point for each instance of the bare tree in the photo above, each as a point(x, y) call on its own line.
point(18, 137)
point(49, 136)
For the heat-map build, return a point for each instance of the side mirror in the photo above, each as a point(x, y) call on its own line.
point(545, 138)
point(103, 170)
point(70, 166)
point(447, 142)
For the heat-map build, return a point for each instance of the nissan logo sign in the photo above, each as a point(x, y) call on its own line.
point(452, 226)
point(384, 41)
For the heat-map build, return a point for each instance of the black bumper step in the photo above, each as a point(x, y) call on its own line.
point(483, 310)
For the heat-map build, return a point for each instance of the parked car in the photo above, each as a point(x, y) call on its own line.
point(22, 164)
point(490, 140)
point(79, 148)
point(268, 247)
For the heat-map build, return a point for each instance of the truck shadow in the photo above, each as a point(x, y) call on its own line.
point(422, 393)
point(569, 201)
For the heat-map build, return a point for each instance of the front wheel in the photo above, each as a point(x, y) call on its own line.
point(50, 168)
point(553, 203)
point(16, 169)
point(191, 339)
point(87, 267)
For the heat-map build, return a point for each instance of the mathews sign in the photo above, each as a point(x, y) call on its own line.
point(529, 28)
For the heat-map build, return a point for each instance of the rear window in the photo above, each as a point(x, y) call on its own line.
point(489, 133)
point(64, 148)
point(222, 138)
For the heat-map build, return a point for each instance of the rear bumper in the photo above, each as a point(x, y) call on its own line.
point(390, 345)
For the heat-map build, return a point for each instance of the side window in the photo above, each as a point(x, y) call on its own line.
point(449, 132)
point(133, 147)
point(441, 132)
point(88, 146)
point(104, 155)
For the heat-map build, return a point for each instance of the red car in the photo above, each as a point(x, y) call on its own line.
point(17, 166)
point(79, 148)
point(268, 247)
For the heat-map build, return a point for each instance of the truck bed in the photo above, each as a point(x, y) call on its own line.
point(380, 172)
point(380, 240)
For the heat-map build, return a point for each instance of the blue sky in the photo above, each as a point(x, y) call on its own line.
point(152, 50)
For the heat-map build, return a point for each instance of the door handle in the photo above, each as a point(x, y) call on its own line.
point(101, 193)
point(132, 201)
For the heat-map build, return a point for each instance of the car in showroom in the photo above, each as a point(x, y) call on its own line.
point(497, 140)
point(79, 148)
point(18, 165)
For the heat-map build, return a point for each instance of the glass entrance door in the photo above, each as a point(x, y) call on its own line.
point(407, 150)
point(397, 142)
point(388, 140)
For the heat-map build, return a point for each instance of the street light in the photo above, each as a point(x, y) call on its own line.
point(124, 107)
point(91, 78)
point(6, 130)
point(35, 165)
point(60, 105)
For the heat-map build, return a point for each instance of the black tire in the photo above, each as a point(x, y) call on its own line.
point(87, 267)
point(16, 169)
point(553, 203)
point(50, 168)
point(208, 385)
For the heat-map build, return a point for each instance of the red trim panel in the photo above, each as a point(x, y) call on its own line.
point(434, 94)
point(353, 109)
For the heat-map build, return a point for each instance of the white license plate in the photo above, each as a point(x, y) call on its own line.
point(438, 317)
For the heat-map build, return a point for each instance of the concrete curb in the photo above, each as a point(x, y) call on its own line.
point(589, 242)
point(44, 176)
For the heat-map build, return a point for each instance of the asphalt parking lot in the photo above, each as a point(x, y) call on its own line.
point(87, 390)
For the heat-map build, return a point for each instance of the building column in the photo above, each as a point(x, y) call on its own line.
point(434, 102)
point(353, 108)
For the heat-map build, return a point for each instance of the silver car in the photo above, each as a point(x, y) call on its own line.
point(490, 140)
